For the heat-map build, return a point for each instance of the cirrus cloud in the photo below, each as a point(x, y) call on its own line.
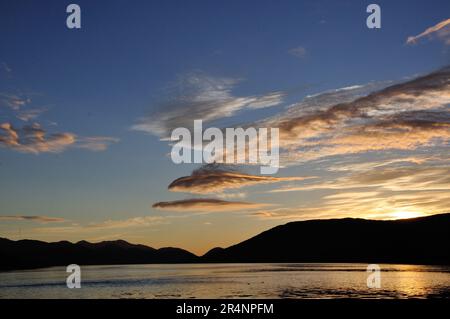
point(402, 116)
point(198, 96)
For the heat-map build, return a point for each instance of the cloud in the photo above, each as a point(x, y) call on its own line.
point(20, 106)
point(376, 203)
point(392, 161)
point(298, 213)
point(215, 179)
point(39, 219)
point(299, 52)
point(95, 227)
point(402, 116)
point(382, 190)
point(206, 205)
point(403, 178)
point(323, 100)
point(442, 29)
point(396, 133)
point(198, 96)
point(385, 176)
point(357, 121)
point(14, 101)
point(97, 143)
point(234, 195)
point(31, 114)
point(5, 67)
point(130, 222)
point(34, 139)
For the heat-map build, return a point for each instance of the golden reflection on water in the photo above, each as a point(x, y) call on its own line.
point(230, 281)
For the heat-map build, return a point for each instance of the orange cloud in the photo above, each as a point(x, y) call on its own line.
point(404, 116)
point(34, 139)
point(440, 28)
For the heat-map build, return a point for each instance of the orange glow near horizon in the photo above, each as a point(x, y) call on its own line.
point(404, 214)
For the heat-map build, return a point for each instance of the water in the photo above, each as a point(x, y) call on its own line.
point(230, 281)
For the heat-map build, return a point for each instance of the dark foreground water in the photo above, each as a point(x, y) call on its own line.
point(230, 281)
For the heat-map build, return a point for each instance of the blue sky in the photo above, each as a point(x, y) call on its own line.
point(128, 60)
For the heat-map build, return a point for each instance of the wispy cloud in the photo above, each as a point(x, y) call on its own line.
point(385, 176)
point(299, 213)
point(130, 222)
point(442, 30)
point(402, 179)
point(357, 120)
point(39, 219)
point(30, 114)
point(342, 166)
point(95, 227)
point(96, 143)
point(403, 116)
point(206, 205)
point(365, 203)
point(198, 96)
point(5, 67)
point(299, 52)
point(14, 101)
point(388, 189)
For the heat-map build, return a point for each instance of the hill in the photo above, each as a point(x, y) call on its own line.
point(24, 254)
point(421, 240)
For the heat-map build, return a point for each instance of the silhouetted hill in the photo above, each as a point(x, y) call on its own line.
point(413, 241)
point(24, 254)
point(423, 240)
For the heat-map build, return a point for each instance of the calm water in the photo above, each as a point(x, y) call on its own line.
point(230, 281)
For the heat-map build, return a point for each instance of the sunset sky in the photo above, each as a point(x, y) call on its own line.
point(364, 116)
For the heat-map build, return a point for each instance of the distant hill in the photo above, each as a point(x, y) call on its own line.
point(423, 240)
point(25, 254)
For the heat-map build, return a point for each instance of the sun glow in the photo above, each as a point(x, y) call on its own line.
point(402, 214)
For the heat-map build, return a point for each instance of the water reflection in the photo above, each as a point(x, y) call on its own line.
point(230, 281)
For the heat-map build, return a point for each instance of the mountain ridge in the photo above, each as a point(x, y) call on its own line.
point(421, 240)
point(415, 240)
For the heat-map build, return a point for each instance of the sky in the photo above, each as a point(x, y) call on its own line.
point(85, 114)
